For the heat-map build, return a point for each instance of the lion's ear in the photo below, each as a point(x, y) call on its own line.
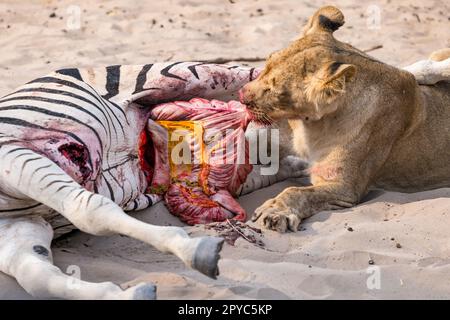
point(327, 19)
point(329, 82)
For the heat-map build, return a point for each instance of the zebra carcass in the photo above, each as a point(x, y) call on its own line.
point(71, 147)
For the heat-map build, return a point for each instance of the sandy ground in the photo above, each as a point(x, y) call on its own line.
point(391, 246)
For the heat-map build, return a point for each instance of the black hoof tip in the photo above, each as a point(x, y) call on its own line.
point(207, 256)
point(145, 292)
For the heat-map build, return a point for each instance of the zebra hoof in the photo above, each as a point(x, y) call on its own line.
point(145, 291)
point(206, 256)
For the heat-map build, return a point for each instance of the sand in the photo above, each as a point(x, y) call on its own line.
point(391, 246)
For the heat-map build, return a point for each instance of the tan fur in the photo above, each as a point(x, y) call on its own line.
point(359, 122)
point(440, 55)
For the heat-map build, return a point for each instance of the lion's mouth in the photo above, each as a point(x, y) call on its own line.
point(260, 117)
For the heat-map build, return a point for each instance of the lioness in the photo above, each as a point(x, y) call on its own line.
point(359, 122)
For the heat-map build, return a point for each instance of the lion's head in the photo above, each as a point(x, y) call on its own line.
point(304, 80)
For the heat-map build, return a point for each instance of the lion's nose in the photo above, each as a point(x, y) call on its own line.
point(245, 96)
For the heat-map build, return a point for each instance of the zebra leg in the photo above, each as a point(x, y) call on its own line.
point(26, 173)
point(25, 255)
point(429, 71)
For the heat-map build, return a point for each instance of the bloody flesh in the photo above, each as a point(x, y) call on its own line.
point(78, 155)
point(201, 190)
point(145, 156)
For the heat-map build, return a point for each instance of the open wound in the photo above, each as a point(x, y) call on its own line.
point(196, 164)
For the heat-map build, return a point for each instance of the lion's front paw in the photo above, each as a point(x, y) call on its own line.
point(275, 215)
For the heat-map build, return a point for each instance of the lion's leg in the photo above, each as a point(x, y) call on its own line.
point(285, 211)
point(25, 255)
point(279, 147)
point(96, 214)
point(290, 167)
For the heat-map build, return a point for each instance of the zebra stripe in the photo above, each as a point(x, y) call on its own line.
point(166, 72)
point(112, 81)
point(72, 72)
point(142, 78)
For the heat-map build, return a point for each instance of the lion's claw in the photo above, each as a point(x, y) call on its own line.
point(274, 215)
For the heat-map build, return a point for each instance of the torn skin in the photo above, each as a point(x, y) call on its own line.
point(145, 148)
point(153, 157)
